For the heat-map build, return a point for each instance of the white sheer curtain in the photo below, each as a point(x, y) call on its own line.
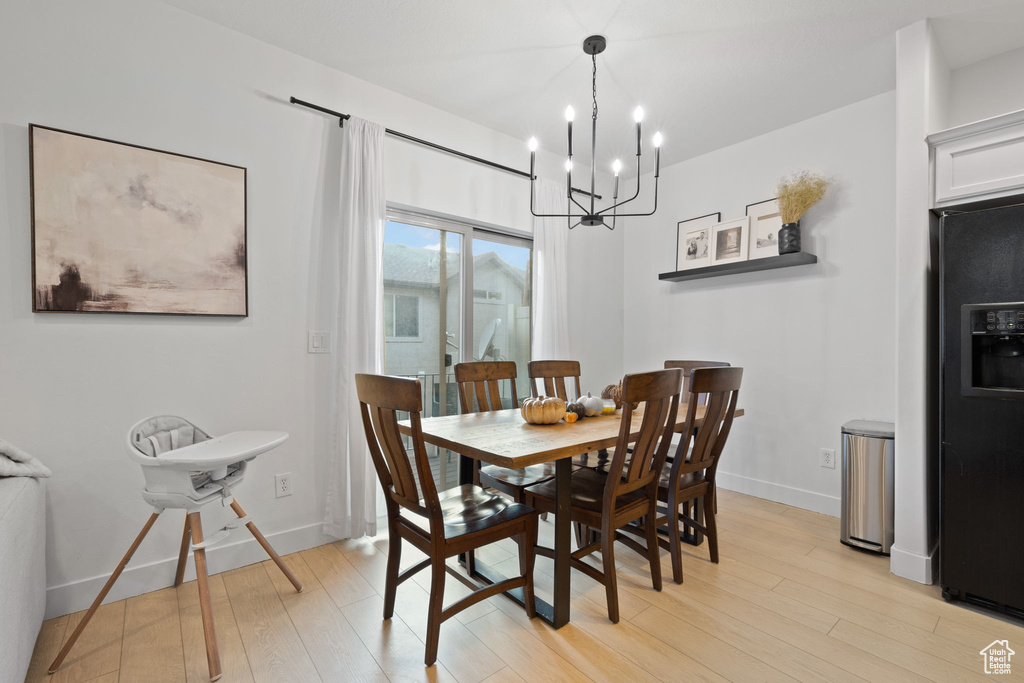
point(352, 269)
point(550, 275)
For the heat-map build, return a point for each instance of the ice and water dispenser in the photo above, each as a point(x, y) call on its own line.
point(992, 350)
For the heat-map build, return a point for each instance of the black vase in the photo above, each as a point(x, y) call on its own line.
point(789, 238)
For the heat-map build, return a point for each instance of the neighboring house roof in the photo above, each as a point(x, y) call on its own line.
point(406, 266)
point(518, 275)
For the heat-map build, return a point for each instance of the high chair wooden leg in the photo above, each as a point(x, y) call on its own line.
point(186, 538)
point(205, 603)
point(266, 546)
point(103, 593)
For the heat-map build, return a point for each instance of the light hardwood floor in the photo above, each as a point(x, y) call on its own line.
point(787, 602)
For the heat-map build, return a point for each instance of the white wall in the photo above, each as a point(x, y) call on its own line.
point(144, 73)
point(816, 342)
point(596, 304)
point(987, 88)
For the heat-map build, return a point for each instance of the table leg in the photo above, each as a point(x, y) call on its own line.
point(466, 466)
point(557, 613)
point(698, 514)
point(465, 470)
point(686, 534)
point(563, 547)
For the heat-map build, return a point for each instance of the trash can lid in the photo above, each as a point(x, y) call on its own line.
point(881, 430)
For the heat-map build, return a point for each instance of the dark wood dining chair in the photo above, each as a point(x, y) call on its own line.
point(554, 378)
point(688, 366)
point(550, 378)
point(480, 380)
point(691, 473)
point(630, 490)
point(457, 521)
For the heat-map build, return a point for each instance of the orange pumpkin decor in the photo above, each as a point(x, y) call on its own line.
point(543, 410)
point(571, 417)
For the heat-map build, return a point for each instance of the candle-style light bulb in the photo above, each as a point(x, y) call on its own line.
point(657, 154)
point(569, 116)
point(568, 165)
point(617, 166)
point(638, 116)
point(533, 144)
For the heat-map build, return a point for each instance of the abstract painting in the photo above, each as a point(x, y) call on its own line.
point(118, 228)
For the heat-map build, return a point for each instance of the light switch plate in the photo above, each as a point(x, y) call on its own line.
point(319, 342)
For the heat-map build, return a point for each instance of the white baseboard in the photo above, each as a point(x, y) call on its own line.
point(139, 579)
point(801, 498)
point(914, 566)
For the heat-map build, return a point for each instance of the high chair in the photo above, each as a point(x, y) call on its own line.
point(188, 469)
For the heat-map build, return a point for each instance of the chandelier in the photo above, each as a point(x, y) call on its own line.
point(593, 46)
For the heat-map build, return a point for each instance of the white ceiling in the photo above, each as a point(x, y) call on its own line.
point(709, 73)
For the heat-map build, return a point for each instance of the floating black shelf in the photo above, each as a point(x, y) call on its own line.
point(801, 258)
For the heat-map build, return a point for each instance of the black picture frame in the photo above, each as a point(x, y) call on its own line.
point(717, 218)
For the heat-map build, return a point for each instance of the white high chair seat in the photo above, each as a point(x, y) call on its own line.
point(186, 468)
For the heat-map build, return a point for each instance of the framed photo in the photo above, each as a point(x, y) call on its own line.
point(119, 228)
point(693, 241)
point(765, 222)
point(729, 241)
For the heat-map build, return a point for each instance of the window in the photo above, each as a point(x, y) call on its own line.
point(462, 293)
point(485, 295)
point(401, 317)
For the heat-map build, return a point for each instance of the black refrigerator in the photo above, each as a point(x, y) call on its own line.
point(981, 398)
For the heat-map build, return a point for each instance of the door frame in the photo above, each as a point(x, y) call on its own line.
point(468, 229)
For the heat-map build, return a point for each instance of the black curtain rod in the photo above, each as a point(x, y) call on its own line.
point(419, 141)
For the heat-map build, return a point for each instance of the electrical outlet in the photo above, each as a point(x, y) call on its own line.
point(828, 458)
point(283, 484)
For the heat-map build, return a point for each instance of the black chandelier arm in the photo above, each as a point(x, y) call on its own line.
point(532, 193)
point(559, 215)
point(569, 194)
point(581, 207)
point(649, 213)
point(626, 201)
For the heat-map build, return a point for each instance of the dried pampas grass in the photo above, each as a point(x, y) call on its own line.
point(798, 193)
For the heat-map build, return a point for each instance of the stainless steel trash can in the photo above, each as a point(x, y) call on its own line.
point(867, 503)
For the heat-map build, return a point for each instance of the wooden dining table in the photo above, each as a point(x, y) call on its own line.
point(504, 438)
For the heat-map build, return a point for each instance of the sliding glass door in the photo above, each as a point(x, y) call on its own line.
point(501, 311)
point(453, 293)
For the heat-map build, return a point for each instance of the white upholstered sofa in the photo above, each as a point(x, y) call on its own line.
point(22, 572)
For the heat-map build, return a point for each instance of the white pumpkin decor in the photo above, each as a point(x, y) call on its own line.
point(592, 404)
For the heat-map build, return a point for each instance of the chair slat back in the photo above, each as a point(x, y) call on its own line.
point(721, 386)
point(552, 375)
point(658, 391)
point(688, 366)
point(381, 399)
point(479, 380)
